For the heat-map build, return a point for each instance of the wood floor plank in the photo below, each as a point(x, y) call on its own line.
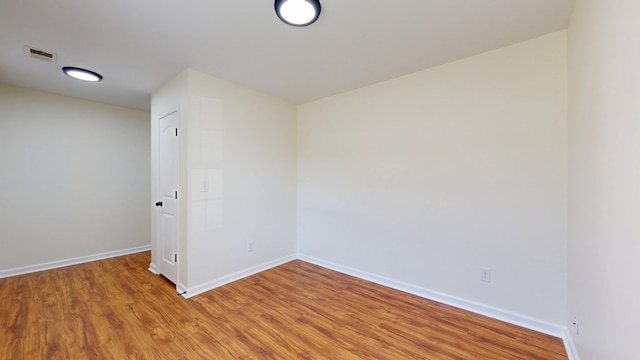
point(116, 309)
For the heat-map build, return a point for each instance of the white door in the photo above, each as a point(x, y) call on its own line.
point(168, 192)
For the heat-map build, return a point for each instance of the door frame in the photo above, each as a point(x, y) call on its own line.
point(155, 194)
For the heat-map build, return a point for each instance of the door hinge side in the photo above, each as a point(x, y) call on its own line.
point(175, 257)
point(176, 194)
point(176, 131)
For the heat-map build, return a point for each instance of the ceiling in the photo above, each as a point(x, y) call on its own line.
point(137, 45)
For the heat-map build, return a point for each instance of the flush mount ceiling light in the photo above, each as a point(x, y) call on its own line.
point(82, 74)
point(298, 12)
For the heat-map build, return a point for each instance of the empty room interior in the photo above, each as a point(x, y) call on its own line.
point(387, 180)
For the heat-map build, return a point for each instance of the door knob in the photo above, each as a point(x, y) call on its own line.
point(159, 203)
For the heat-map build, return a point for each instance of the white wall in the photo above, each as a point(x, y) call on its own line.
point(604, 178)
point(244, 144)
point(74, 178)
point(426, 178)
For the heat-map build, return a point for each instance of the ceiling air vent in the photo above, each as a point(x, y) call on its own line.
point(40, 54)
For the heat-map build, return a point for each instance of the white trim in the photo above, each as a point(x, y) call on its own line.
point(482, 309)
point(210, 285)
point(181, 289)
point(68, 262)
point(154, 269)
point(572, 351)
point(478, 308)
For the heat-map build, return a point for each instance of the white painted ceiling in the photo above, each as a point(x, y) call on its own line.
point(137, 45)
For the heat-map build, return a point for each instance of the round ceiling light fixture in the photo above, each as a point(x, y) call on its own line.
point(298, 12)
point(82, 74)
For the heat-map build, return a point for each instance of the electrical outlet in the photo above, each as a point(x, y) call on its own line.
point(485, 275)
point(251, 246)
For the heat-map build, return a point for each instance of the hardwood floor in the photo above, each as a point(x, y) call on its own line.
point(116, 309)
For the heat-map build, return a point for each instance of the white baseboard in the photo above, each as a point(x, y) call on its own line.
point(154, 269)
point(210, 285)
point(181, 289)
point(68, 262)
point(482, 309)
point(572, 351)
